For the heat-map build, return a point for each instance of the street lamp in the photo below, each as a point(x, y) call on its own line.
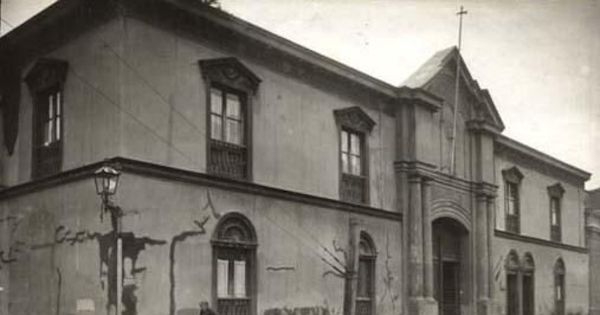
point(106, 179)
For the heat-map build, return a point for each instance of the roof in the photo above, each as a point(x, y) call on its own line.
point(430, 68)
point(421, 78)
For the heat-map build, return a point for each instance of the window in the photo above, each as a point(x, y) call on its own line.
point(352, 158)
point(365, 294)
point(520, 284)
point(555, 193)
point(512, 202)
point(230, 86)
point(354, 126)
point(512, 207)
point(528, 285)
point(512, 286)
point(45, 82)
point(234, 252)
point(559, 287)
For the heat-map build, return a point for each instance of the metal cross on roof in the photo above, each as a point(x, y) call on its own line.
point(456, 92)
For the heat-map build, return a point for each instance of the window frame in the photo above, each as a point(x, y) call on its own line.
point(556, 193)
point(512, 178)
point(559, 274)
point(353, 120)
point(47, 77)
point(222, 247)
point(370, 258)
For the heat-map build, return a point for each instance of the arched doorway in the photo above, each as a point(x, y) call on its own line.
point(450, 254)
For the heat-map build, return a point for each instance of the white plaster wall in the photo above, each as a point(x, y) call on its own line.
point(535, 204)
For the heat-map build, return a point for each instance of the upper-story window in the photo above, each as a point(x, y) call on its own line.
point(555, 193)
point(512, 200)
point(45, 81)
point(230, 87)
point(354, 126)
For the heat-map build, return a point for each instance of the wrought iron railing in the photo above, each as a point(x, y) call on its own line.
point(512, 223)
point(363, 307)
point(353, 188)
point(555, 234)
point(228, 160)
point(233, 306)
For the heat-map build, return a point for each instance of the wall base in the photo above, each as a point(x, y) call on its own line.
point(422, 306)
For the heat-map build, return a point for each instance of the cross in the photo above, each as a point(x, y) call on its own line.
point(456, 91)
point(460, 19)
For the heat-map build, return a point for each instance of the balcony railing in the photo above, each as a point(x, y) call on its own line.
point(555, 234)
point(233, 306)
point(512, 223)
point(353, 188)
point(363, 306)
point(228, 160)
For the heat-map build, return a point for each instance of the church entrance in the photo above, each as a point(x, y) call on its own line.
point(448, 264)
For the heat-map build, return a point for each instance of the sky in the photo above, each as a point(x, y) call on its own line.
point(540, 60)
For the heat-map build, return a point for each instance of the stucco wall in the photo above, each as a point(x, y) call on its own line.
point(91, 121)
point(145, 99)
point(535, 203)
point(576, 278)
point(160, 213)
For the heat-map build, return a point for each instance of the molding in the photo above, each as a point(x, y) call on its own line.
point(556, 190)
point(513, 175)
point(231, 72)
point(539, 241)
point(354, 118)
point(180, 175)
point(430, 172)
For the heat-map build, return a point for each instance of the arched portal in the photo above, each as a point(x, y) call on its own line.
point(450, 267)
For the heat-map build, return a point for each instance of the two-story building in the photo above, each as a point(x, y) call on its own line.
point(265, 178)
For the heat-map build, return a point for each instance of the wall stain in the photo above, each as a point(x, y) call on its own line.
point(388, 278)
point(176, 239)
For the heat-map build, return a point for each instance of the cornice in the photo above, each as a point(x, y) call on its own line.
point(430, 172)
point(539, 241)
point(179, 175)
point(539, 160)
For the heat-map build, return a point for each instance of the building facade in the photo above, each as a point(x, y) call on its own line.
point(265, 178)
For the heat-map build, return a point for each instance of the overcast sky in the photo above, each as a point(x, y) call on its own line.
point(539, 59)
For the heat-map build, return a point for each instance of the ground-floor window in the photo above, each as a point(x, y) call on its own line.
point(520, 284)
point(559, 287)
point(234, 266)
point(365, 294)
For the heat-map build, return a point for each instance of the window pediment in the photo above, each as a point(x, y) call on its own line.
point(556, 190)
point(513, 175)
point(230, 72)
point(46, 73)
point(354, 118)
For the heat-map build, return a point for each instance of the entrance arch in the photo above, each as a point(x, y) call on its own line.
point(450, 265)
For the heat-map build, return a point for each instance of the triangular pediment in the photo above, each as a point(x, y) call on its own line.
point(354, 118)
point(442, 66)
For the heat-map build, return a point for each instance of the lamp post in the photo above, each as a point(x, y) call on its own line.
point(106, 179)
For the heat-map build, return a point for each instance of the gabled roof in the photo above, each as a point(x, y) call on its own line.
point(421, 79)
